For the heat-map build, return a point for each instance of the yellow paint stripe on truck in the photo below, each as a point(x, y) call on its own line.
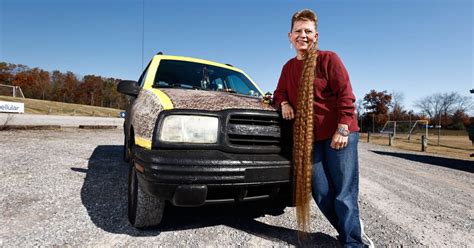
point(143, 143)
point(164, 99)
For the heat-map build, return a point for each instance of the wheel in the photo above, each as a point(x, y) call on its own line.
point(144, 210)
point(126, 150)
point(280, 202)
point(277, 207)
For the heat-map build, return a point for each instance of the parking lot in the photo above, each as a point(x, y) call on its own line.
point(67, 187)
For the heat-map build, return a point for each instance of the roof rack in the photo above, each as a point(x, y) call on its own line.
point(160, 53)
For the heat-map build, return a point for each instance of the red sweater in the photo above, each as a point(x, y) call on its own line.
point(333, 97)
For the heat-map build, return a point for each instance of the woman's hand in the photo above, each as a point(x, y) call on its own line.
point(287, 111)
point(339, 141)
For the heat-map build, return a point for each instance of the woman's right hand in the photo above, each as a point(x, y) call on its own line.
point(287, 112)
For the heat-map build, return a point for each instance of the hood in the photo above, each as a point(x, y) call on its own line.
point(213, 100)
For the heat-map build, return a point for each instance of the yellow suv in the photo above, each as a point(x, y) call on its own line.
point(198, 132)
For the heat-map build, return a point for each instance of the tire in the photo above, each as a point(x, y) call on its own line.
point(277, 207)
point(281, 202)
point(144, 210)
point(126, 151)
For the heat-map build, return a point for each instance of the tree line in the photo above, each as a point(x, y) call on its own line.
point(449, 110)
point(62, 87)
point(376, 108)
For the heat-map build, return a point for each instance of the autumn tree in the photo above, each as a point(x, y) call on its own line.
point(7, 73)
point(110, 96)
point(71, 84)
point(118, 100)
point(377, 102)
point(22, 78)
point(57, 85)
point(377, 105)
point(90, 90)
point(458, 120)
point(64, 87)
point(40, 83)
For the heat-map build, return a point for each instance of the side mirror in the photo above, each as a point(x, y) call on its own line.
point(128, 87)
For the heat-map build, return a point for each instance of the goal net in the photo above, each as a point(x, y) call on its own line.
point(11, 90)
point(406, 129)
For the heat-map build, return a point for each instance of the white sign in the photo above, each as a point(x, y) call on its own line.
point(12, 107)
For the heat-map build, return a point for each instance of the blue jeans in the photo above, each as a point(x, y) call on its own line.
point(336, 188)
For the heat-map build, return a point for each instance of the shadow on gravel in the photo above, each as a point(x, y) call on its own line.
point(457, 164)
point(241, 217)
point(104, 195)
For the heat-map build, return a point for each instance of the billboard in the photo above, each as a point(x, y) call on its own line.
point(12, 107)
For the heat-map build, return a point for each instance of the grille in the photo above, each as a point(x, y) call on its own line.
point(254, 130)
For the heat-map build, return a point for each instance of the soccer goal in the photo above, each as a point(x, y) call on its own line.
point(11, 90)
point(406, 128)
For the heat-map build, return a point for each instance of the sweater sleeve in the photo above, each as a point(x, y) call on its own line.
point(281, 92)
point(340, 83)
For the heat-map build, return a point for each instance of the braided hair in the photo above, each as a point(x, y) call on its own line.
point(303, 129)
point(303, 139)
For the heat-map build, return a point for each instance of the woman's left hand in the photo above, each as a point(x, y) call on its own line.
point(339, 141)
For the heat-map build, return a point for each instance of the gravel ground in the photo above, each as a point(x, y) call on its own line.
point(68, 188)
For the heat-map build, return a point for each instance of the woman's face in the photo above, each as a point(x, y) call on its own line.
point(303, 35)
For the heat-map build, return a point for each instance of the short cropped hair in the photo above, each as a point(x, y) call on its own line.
point(305, 15)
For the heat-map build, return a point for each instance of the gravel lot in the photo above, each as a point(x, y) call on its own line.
point(68, 188)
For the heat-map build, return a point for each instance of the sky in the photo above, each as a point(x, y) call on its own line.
point(413, 47)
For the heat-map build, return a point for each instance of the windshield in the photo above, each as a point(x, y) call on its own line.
point(190, 75)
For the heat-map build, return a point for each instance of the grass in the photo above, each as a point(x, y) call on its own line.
point(34, 106)
point(454, 145)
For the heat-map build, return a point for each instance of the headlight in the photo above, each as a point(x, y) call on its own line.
point(189, 129)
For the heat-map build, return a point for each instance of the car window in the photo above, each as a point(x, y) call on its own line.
point(237, 82)
point(191, 75)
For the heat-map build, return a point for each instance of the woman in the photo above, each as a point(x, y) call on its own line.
point(314, 89)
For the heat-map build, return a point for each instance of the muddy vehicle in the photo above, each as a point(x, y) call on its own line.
point(199, 132)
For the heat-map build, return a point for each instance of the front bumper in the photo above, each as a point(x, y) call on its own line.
point(197, 177)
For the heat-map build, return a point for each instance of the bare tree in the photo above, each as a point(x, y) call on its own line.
point(397, 98)
point(443, 104)
point(398, 113)
point(464, 104)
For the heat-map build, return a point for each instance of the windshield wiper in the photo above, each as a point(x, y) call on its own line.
point(177, 85)
point(230, 90)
